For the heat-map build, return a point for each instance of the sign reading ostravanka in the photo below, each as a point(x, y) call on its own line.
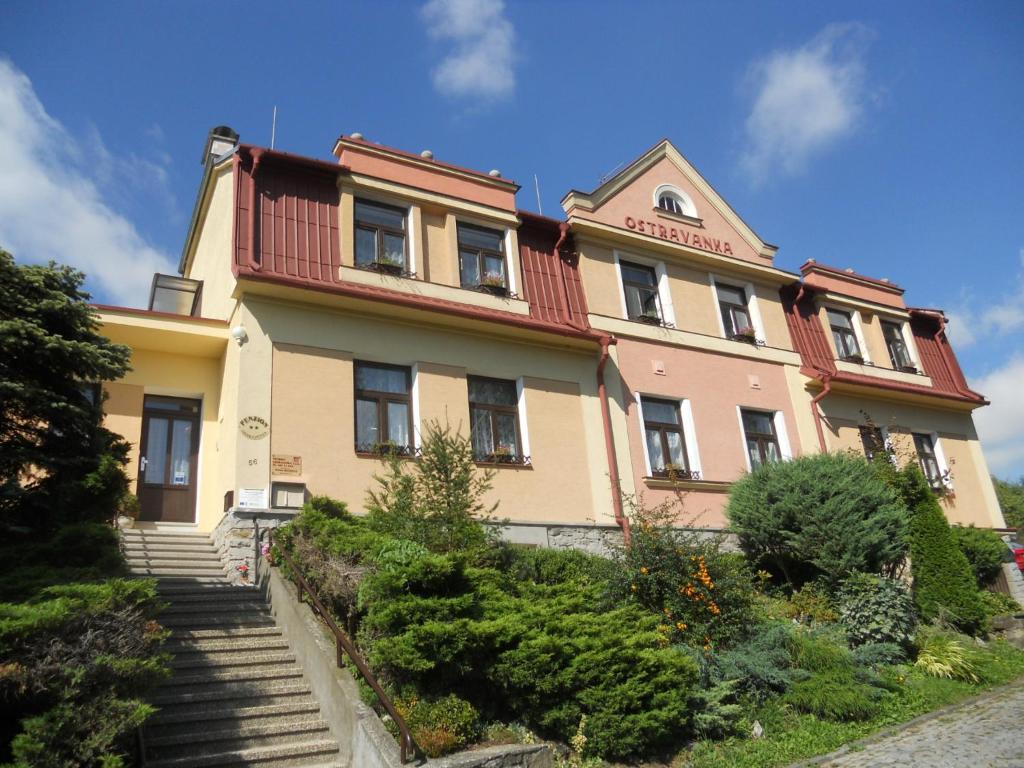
point(254, 427)
point(681, 236)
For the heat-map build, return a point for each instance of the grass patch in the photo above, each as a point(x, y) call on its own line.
point(790, 736)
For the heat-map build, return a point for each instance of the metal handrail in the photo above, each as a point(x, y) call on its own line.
point(344, 643)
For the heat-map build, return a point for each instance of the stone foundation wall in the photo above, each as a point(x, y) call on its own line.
point(234, 538)
point(602, 540)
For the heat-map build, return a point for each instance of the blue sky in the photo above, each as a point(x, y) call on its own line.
point(875, 135)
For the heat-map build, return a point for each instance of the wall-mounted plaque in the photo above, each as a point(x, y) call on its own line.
point(253, 498)
point(286, 465)
point(254, 427)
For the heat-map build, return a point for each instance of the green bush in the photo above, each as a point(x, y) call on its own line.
point(818, 517)
point(984, 550)
point(834, 695)
point(999, 604)
point(703, 594)
point(77, 660)
point(879, 654)
point(944, 585)
point(874, 609)
point(439, 726)
point(1011, 501)
point(811, 604)
point(761, 666)
point(436, 501)
point(557, 566)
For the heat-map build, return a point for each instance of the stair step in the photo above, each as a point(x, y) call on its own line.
point(190, 562)
point(186, 588)
point(278, 755)
point(265, 692)
point(211, 740)
point(221, 717)
point(216, 573)
point(217, 646)
point(212, 595)
point(224, 633)
point(214, 621)
point(196, 608)
point(200, 545)
point(168, 583)
point(166, 538)
point(209, 678)
point(150, 557)
point(187, 661)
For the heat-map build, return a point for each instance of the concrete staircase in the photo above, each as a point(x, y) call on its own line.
point(237, 697)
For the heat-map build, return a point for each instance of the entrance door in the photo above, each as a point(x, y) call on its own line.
point(170, 454)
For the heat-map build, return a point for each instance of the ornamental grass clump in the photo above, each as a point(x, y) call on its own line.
point(941, 654)
point(819, 517)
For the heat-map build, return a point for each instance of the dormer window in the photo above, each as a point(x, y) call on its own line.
point(380, 237)
point(674, 201)
point(482, 259)
point(841, 324)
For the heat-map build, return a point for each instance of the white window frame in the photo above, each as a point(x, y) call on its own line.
point(524, 433)
point(664, 292)
point(689, 209)
point(752, 305)
point(414, 393)
point(781, 433)
point(940, 457)
point(687, 423)
point(506, 240)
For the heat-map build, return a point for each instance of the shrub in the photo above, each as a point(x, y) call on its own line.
point(879, 654)
point(834, 695)
point(998, 604)
point(76, 661)
point(811, 604)
point(703, 594)
point(874, 609)
point(557, 566)
point(438, 500)
point(941, 654)
point(760, 666)
point(441, 725)
point(984, 550)
point(944, 586)
point(1011, 501)
point(821, 516)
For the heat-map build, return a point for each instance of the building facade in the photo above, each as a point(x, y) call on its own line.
point(646, 345)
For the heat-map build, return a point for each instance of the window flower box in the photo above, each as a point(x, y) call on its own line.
point(855, 358)
point(746, 334)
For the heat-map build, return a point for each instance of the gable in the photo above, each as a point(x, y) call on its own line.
point(627, 201)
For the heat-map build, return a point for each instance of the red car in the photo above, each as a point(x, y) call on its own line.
point(1018, 553)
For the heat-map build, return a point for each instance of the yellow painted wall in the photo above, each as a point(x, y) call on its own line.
point(212, 256)
point(973, 500)
point(313, 406)
point(165, 373)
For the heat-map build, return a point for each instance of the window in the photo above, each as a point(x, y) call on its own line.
point(669, 202)
point(929, 460)
point(898, 352)
point(843, 334)
point(175, 295)
point(640, 286)
point(482, 259)
point(383, 409)
point(872, 440)
point(663, 434)
point(380, 237)
point(732, 303)
point(494, 420)
point(762, 442)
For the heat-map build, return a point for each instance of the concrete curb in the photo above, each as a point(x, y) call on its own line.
point(892, 730)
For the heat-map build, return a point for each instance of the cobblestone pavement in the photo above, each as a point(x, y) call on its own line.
point(984, 733)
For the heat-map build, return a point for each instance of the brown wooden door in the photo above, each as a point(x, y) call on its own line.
point(169, 459)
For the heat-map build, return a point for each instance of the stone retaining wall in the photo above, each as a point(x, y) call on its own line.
point(234, 538)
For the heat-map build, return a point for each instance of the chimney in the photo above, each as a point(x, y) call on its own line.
point(220, 141)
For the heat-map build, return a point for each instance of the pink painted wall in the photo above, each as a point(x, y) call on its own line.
point(836, 283)
point(438, 180)
point(714, 384)
point(637, 201)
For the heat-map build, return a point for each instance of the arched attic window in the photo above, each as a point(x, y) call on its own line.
point(674, 200)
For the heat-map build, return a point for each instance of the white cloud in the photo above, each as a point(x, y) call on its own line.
point(806, 99)
point(1001, 425)
point(52, 201)
point(481, 61)
point(975, 320)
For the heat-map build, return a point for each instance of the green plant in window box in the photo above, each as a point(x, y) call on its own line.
point(502, 454)
point(389, 266)
point(854, 358)
point(390, 448)
point(677, 472)
point(747, 334)
point(493, 282)
point(651, 317)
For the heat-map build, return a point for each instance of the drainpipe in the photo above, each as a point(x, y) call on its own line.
point(609, 441)
point(257, 155)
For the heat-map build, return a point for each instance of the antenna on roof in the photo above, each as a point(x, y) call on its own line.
point(273, 128)
point(610, 173)
point(536, 185)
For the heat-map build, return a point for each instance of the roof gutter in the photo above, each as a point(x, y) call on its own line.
point(609, 441)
